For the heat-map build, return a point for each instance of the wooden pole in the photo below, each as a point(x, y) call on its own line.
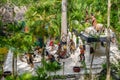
point(108, 43)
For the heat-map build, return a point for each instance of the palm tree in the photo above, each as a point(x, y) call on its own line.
point(64, 17)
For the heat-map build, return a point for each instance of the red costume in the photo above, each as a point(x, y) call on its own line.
point(51, 43)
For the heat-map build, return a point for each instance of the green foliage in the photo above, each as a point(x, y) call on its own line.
point(59, 77)
point(10, 78)
point(21, 42)
point(77, 40)
point(11, 32)
point(24, 76)
point(52, 66)
point(42, 72)
point(77, 11)
point(14, 27)
point(2, 2)
point(118, 28)
point(3, 41)
point(38, 29)
point(56, 41)
point(84, 65)
point(115, 70)
point(76, 25)
point(104, 66)
point(44, 14)
point(53, 31)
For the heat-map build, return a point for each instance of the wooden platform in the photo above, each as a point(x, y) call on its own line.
point(90, 38)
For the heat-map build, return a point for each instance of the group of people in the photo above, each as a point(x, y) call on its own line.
point(61, 51)
point(62, 48)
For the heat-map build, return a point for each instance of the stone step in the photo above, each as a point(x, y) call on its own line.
point(95, 67)
point(113, 60)
point(68, 71)
point(28, 69)
point(117, 56)
point(82, 72)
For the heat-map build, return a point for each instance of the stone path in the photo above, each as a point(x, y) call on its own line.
point(8, 62)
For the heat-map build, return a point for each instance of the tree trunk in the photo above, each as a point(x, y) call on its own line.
point(91, 66)
point(15, 62)
point(108, 60)
point(92, 61)
point(64, 17)
point(13, 65)
point(108, 43)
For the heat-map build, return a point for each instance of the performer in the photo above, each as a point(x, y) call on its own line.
point(82, 51)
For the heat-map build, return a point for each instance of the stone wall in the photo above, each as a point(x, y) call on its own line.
point(10, 14)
